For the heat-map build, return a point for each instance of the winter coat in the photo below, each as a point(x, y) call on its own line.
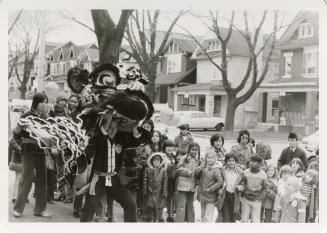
point(155, 182)
point(172, 175)
point(269, 194)
point(243, 154)
point(288, 155)
point(291, 208)
point(181, 144)
point(185, 172)
point(222, 191)
point(210, 178)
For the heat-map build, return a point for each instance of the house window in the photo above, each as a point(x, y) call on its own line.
point(51, 58)
point(71, 54)
point(61, 56)
point(305, 30)
point(173, 48)
point(274, 107)
point(217, 105)
point(213, 45)
point(288, 65)
point(58, 68)
point(310, 61)
point(188, 100)
point(67, 66)
point(174, 63)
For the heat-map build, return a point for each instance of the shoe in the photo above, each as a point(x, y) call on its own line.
point(60, 198)
point(16, 214)
point(76, 215)
point(13, 200)
point(161, 220)
point(27, 200)
point(43, 214)
point(50, 202)
point(68, 200)
point(170, 219)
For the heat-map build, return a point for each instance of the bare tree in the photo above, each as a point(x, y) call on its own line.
point(15, 21)
point(241, 93)
point(141, 34)
point(109, 35)
point(23, 48)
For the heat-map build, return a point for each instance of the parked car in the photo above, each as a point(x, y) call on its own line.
point(311, 144)
point(199, 120)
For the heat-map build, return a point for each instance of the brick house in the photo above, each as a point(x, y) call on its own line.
point(208, 93)
point(291, 101)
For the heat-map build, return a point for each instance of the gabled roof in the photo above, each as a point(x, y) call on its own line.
point(290, 39)
point(91, 53)
point(187, 45)
point(236, 45)
point(169, 79)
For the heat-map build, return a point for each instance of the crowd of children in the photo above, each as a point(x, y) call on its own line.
point(238, 184)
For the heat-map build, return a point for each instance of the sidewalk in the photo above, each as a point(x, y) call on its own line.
point(232, 135)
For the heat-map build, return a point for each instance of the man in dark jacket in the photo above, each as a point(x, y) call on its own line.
point(291, 152)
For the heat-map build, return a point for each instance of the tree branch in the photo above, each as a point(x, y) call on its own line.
point(15, 21)
point(163, 43)
point(72, 18)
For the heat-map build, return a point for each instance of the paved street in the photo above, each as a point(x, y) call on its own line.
point(63, 212)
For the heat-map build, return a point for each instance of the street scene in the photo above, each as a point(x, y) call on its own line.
point(163, 116)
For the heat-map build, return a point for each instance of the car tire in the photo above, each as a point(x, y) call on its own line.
point(219, 126)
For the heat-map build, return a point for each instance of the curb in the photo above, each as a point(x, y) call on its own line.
point(207, 136)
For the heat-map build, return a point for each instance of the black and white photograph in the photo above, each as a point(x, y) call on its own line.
point(146, 114)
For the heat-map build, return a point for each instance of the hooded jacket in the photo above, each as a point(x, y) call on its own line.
point(185, 171)
point(155, 182)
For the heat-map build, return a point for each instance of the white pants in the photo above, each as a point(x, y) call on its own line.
point(207, 211)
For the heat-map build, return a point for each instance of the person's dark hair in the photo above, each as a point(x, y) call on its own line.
point(215, 137)
point(38, 98)
point(241, 133)
point(252, 141)
point(167, 143)
point(194, 144)
point(256, 158)
point(149, 122)
point(78, 99)
point(229, 156)
point(293, 136)
point(181, 152)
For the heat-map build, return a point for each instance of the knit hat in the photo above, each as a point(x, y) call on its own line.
point(184, 127)
point(60, 97)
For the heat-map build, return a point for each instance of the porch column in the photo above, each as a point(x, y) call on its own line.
point(175, 101)
point(311, 105)
point(209, 105)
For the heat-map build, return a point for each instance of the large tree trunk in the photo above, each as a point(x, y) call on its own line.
point(109, 50)
point(230, 113)
point(22, 90)
point(151, 73)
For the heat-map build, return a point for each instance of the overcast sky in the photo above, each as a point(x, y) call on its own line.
point(68, 30)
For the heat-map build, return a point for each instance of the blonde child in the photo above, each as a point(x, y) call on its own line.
point(210, 181)
point(297, 167)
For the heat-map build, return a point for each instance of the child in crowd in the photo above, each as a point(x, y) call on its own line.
point(168, 148)
point(210, 181)
point(253, 187)
point(229, 198)
point(186, 184)
point(156, 143)
point(184, 139)
point(60, 109)
point(217, 146)
point(269, 194)
point(251, 144)
point(74, 107)
point(309, 189)
point(291, 206)
point(155, 187)
point(297, 167)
